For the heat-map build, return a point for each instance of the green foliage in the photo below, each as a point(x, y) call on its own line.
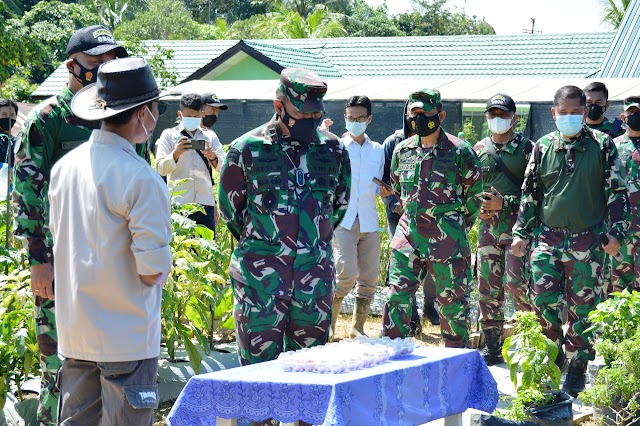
point(18, 49)
point(534, 354)
point(433, 17)
point(161, 20)
point(470, 132)
point(286, 23)
point(615, 320)
point(51, 24)
point(165, 76)
point(197, 298)
point(614, 11)
point(366, 21)
point(617, 386)
point(18, 347)
point(17, 88)
point(384, 241)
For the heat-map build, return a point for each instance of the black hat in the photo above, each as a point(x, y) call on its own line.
point(212, 100)
point(122, 84)
point(94, 41)
point(501, 101)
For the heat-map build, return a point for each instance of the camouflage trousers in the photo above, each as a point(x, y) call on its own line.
point(47, 338)
point(452, 278)
point(567, 268)
point(626, 272)
point(500, 270)
point(267, 325)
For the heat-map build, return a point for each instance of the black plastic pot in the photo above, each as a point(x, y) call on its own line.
point(557, 413)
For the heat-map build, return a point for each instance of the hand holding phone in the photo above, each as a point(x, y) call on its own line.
point(384, 185)
point(197, 144)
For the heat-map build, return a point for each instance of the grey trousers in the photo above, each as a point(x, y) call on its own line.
point(107, 393)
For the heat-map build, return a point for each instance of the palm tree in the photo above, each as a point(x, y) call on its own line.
point(614, 12)
point(288, 23)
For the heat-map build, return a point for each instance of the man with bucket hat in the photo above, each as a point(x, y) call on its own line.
point(110, 221)
point(50, 132)
point(438, 177)
point(284, 187)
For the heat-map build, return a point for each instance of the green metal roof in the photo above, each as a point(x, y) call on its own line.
point(623, 58)
point(423, 58)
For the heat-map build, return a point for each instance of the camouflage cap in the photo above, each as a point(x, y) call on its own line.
point(304, 89)
point(632, 101)
point(427, 99)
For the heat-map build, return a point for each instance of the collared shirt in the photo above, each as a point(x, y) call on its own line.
point(367, 162)
point(199, 189)
point(109, 218)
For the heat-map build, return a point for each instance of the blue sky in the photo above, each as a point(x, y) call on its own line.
point(513, 16)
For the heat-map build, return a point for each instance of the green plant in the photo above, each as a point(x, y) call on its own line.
point(534, 354)
point(197, 298)
point(18, 347)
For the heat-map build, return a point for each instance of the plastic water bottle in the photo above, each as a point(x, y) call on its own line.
point(4, 178)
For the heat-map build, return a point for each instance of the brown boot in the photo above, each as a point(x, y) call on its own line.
point(360, 313)
point(335, 311)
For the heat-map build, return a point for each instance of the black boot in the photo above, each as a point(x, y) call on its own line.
point(561, 360)
point(429, 312)
point(576, 377)
point(492, 351)
point(415, 328)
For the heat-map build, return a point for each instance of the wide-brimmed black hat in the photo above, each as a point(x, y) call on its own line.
point(94, 41)
point(122, 84)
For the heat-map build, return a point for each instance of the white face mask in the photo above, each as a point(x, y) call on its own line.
point(146, 132)
point(499, 125)
point(191, 123)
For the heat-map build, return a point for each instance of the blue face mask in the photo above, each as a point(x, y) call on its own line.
point(570, 124)
point(190, 123)
point(354, 128)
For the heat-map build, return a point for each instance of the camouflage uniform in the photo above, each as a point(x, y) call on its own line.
point(51, 131)
point(282, 199)
point(606, 127)
point(626, 273)
point(568, 192)
point(439, 192)
point(498, 268)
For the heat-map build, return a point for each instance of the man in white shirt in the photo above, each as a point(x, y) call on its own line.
point(357, 239)
point(110, 221)
point(177, 157)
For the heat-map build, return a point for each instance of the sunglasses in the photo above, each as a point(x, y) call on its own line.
point(162, 107)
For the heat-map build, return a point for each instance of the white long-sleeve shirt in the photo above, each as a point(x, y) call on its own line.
point(199, 189)
point(367, 162)
point(110, 222)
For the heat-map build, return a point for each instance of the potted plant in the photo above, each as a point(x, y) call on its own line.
point(530, 357)
point(615, 395)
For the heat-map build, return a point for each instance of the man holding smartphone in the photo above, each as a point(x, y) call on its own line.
point(188, 151)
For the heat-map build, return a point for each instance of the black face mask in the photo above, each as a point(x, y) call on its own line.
point(633, 121)
point(302, 130)
point(87, 76)
point(595, 111)
point(209, 120)
point(423, 125)
point(6, 124)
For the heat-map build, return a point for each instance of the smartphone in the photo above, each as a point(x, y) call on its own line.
point(383, 184)
point(197, 144)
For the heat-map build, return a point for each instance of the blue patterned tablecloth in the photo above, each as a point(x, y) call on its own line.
point(428, 384)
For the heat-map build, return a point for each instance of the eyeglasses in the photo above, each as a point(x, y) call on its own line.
point(162, 108)
point(355, 119)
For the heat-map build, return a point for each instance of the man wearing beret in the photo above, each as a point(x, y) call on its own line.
point(50, 132)
point(438, 177)
point(284, 187)
point(110, 220)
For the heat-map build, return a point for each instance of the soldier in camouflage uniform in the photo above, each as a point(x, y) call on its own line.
point(626, 272)
point(284, 187)
point(51, 130)
point(573, 189)
point(498, 269)
point(598, 102)
point(439, 179)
